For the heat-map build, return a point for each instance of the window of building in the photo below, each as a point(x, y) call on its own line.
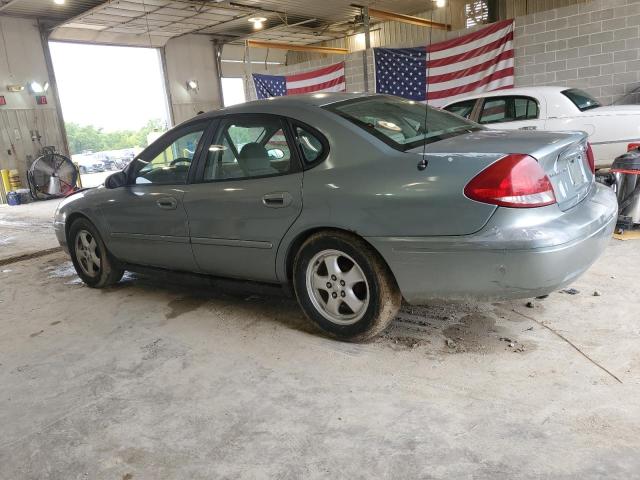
point(476, 13)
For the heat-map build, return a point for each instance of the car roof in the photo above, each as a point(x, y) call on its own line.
point(296, 101)
point(524, 91)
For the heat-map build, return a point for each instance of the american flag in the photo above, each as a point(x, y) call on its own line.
point(480, 61)
point(327, 79)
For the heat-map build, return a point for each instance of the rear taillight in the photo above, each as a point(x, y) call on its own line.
point(633, 146)
point(513, 181)
point(591, 159)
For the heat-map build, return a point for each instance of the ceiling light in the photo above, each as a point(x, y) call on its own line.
point(440, 3)
point(192, 84)
point(59, 2)
point(258, 22)
point(15, 88)
point(35, 87)
point(46, 87)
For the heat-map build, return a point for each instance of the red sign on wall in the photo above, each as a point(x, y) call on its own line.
point(3, 101)
point(41, 100)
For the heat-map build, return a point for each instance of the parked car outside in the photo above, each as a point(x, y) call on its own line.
point(372, 199)
point(87, 163)
point(612, 129)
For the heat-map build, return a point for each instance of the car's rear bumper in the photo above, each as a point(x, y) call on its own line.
point(518, 254)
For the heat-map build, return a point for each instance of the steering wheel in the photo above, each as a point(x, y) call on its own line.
point(180, 160)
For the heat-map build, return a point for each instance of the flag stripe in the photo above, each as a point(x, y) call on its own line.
point(465, 72)
point(315, 73)
point(469, 79)
point(507, 72)
point(319, 87)
point(471, 37)
point(292, 85)
point(500, 84)
point(470, 62)
point(469, 54)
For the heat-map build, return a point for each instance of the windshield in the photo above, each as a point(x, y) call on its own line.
point(401, 123)
point(581, 99)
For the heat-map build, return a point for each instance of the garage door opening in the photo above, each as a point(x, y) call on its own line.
point(233, 91)
point(113, 101)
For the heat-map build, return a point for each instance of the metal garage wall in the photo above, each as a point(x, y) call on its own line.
point(594, 45)
point(21, 61)
point(191, 57)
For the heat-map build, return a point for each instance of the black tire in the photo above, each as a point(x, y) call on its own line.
point(384, 298)
point(108, 272)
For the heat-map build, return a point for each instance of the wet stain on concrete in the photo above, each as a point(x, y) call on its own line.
point(56, 322)
point(182, 305)
point(35, 334)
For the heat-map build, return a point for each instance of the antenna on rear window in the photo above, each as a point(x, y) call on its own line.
point(426, 95)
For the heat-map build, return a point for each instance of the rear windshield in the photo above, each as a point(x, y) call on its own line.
point(581, 99)
point(401, 123)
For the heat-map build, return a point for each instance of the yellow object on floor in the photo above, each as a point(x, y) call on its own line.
point(628, 235)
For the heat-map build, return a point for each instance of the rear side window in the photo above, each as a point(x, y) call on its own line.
point(462, 109)
point(311, 146)
point(581, 99)
point(508, 109)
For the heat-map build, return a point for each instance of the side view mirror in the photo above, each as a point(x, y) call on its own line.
point(115, 180)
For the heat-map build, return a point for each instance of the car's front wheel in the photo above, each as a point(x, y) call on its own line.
point(93, 263)
point(344, 286)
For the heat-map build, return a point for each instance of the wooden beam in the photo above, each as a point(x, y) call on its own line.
point(296, 48)
point(398, 17)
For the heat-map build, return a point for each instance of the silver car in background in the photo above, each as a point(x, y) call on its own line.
point(354, 200)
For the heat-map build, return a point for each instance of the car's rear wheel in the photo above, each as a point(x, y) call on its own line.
point(344, 286)
point(93, 263)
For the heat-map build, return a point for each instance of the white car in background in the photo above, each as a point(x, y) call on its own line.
point(612, 130)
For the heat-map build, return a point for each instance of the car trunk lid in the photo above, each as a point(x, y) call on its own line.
point(562, 155)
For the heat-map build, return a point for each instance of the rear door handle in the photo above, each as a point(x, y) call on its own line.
point(528, 127)
point(167, 203)
point(277, 199)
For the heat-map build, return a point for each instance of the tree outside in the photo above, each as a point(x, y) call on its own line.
point(84, 138)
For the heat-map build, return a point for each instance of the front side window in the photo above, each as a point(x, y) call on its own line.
point(508, 109)
point(581, 99)
point(403, 124)
point(171, 165)
point(462, 109)
point(251, 147)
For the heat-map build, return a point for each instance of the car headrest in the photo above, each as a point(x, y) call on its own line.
point(254, 159)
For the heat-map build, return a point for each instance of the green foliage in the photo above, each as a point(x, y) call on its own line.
point(88, 137)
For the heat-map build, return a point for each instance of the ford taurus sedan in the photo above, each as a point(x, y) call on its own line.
point(612, 130)
point(355, 201)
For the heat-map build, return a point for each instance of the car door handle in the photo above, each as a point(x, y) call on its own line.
point(529, 127)
point(277, 199)
point(167, 203)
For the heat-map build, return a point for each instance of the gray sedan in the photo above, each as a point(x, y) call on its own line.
point(355, 201)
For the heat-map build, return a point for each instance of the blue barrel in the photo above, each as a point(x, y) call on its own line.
point(13, 198)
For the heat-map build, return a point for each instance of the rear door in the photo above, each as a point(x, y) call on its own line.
point(147, 220)
point(248, 192)
point(511, 113)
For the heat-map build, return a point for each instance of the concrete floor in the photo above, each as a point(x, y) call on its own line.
point(167, 379)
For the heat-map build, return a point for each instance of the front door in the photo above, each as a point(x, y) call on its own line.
point(147, 220)
point(248, 194)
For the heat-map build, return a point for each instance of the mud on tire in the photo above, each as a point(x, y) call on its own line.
point(344, 287)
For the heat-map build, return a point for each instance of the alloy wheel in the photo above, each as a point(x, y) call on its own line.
point(337, 287)
point(88, 253)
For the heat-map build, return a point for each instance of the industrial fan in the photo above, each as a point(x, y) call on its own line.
point(51, 175)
